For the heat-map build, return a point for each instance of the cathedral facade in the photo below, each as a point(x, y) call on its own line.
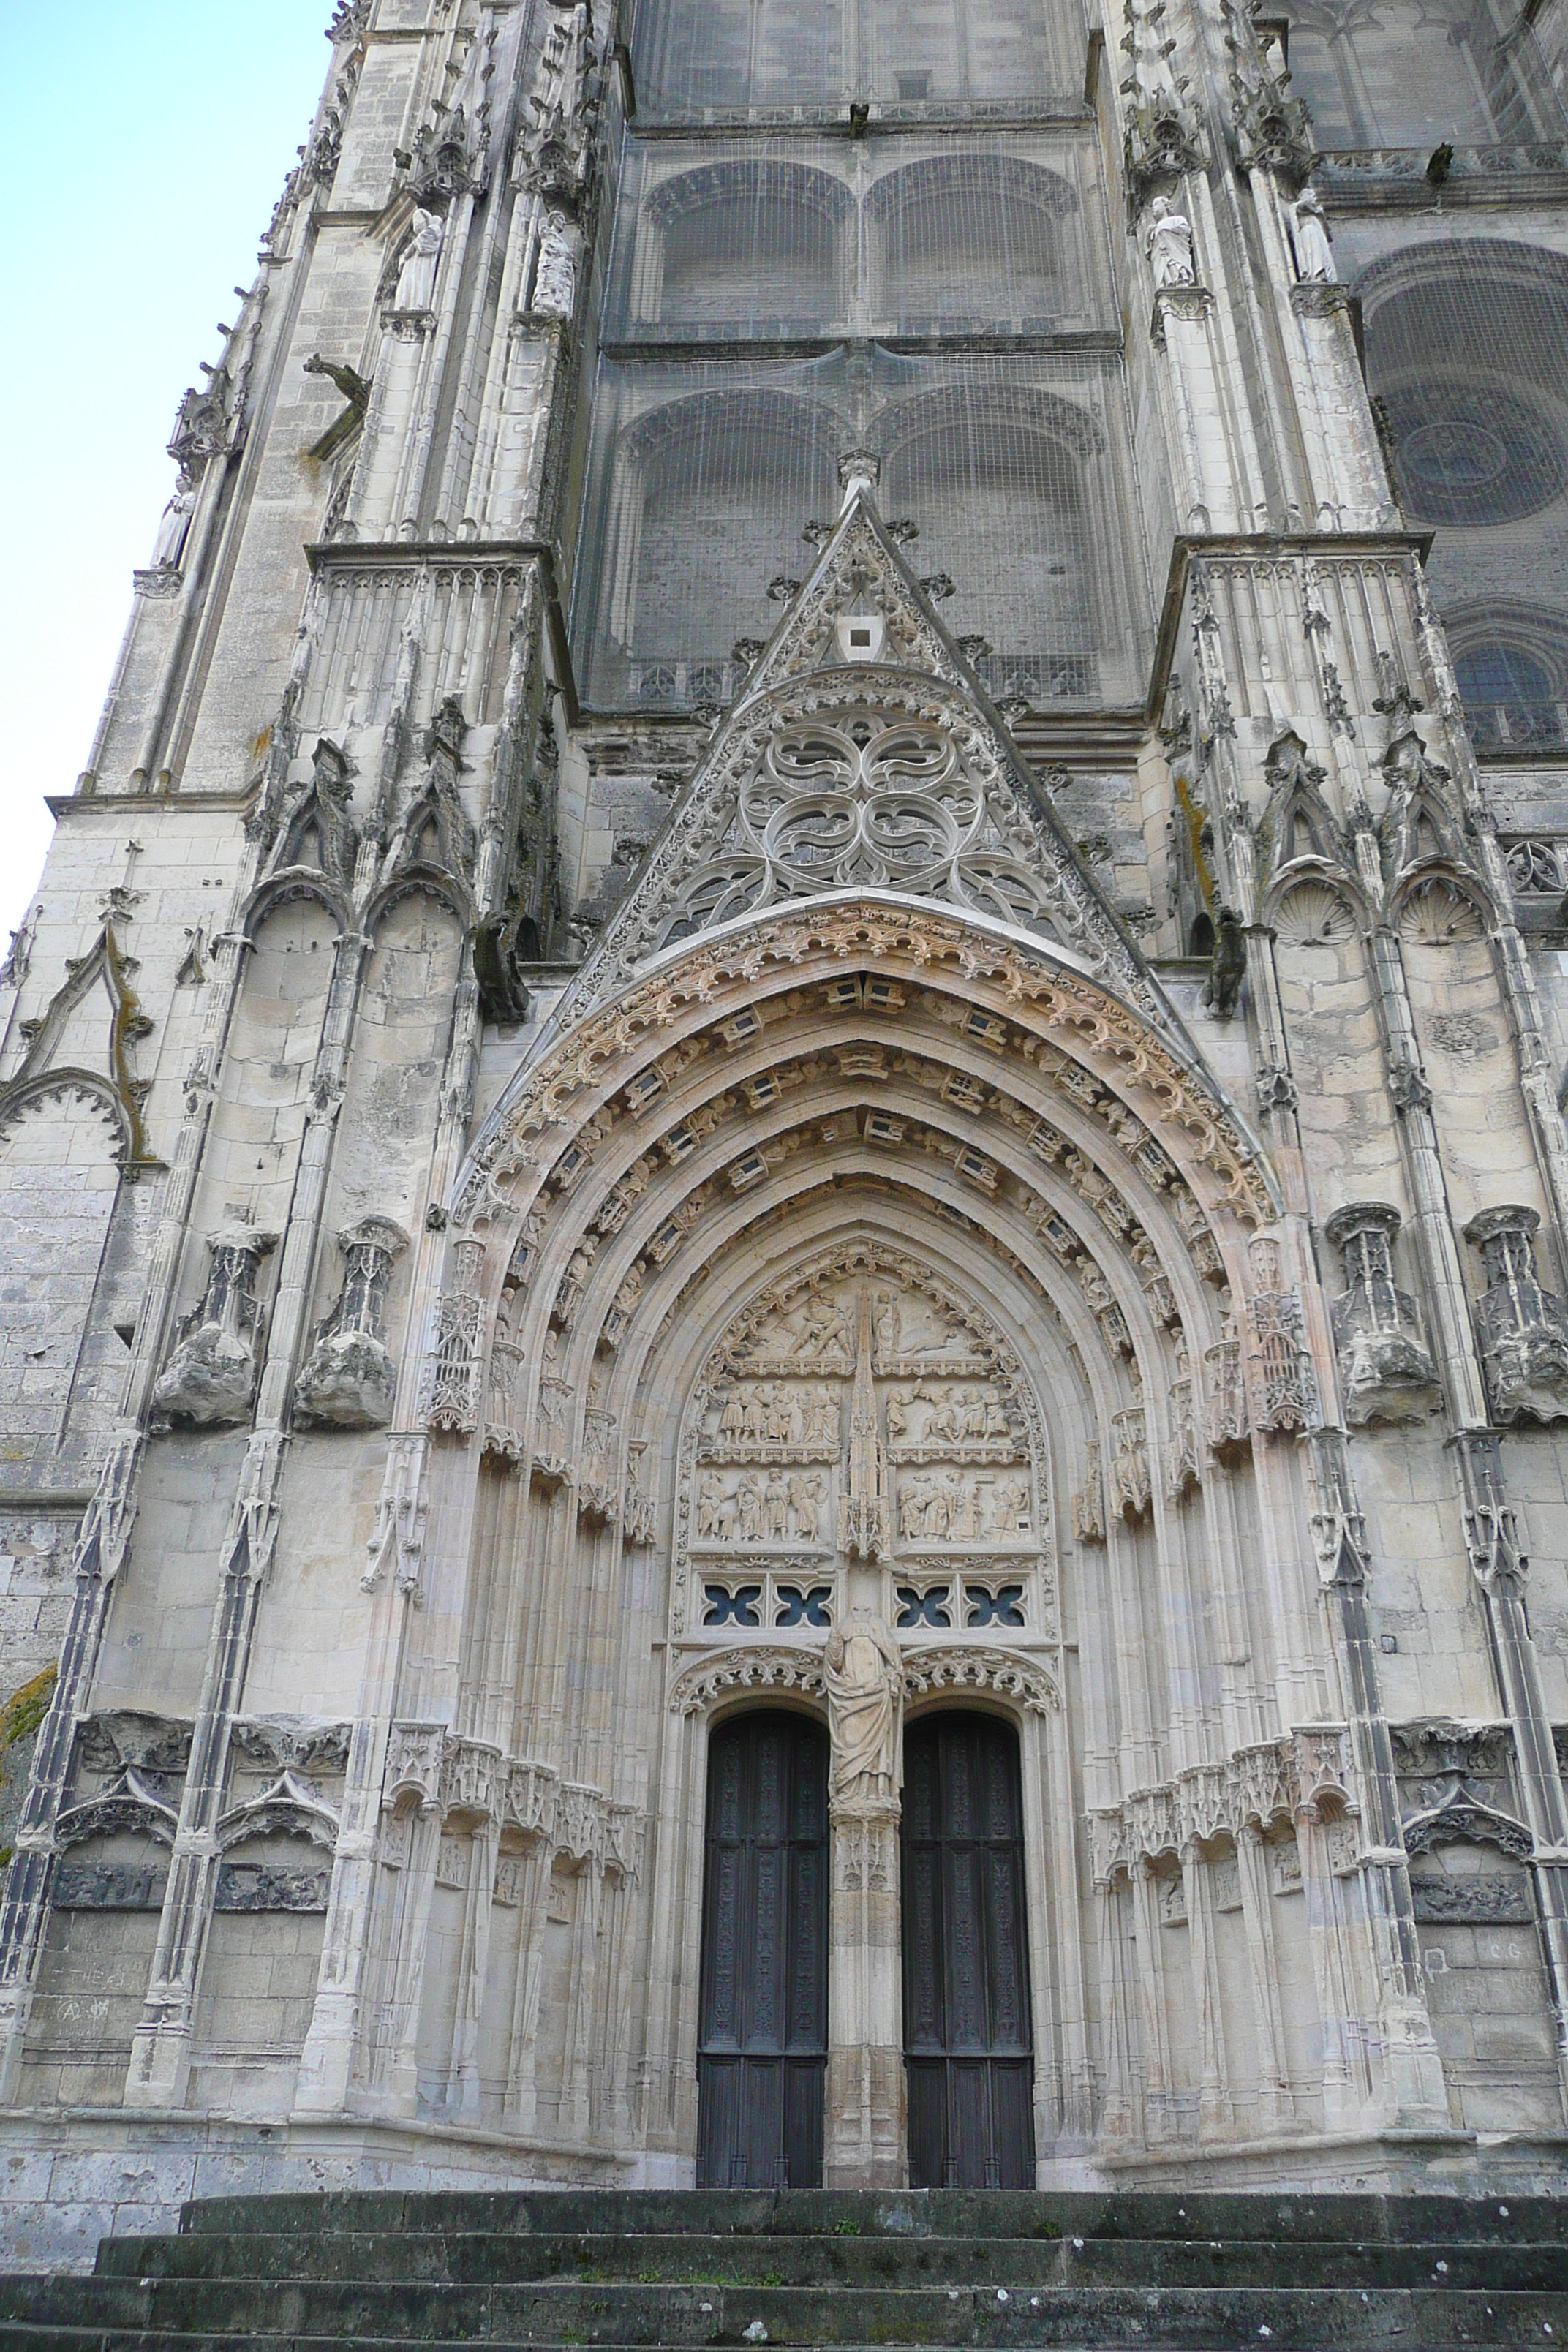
point(782, 1188)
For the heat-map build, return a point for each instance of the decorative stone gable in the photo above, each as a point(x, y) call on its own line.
point(863, 756)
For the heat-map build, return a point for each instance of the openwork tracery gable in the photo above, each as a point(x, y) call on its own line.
point(861, 756)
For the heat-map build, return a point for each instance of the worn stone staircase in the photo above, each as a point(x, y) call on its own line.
point(796, 2267)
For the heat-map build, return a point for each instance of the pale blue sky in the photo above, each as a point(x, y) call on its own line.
point(145, 142)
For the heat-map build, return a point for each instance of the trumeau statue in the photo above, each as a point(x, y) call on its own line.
point(1168, 241)
point(864, 1676)
point(416, 279)
point(1309, 237)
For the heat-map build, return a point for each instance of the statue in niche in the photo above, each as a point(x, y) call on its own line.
point(1168, 242)
point(170, 544)
point(865, 1680)
point(1311, 240)
point(555, 273)
point(1227, 969)
point(417, 277)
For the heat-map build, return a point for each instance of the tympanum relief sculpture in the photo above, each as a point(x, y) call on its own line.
point(858, 1428)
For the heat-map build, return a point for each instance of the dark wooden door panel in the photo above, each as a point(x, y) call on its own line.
point(967, 2035)
point(762, 2031)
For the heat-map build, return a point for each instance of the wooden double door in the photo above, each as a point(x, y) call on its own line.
point(763, 2031)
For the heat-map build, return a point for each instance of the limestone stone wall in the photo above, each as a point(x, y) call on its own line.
point(523, 1224)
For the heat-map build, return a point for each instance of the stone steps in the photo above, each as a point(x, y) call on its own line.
point(496, 2258)
point(844, 2272)
point(904, 2214)
point(1180, 2320)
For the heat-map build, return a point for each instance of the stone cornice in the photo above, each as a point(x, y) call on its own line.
point(1252, 547)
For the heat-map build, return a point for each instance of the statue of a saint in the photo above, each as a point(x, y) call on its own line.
point(171, 542)
point(555, 277)
point(1310, 236)
point(1168, 241)
point(416, 279)
point(865, 1680)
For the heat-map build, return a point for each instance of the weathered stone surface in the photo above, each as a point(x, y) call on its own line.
point(679, 1060)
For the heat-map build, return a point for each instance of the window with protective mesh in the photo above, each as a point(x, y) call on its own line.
point(724, 238)
point(1417, 73)
point(813, 57)
point(1009, 469)
point(1467, 343)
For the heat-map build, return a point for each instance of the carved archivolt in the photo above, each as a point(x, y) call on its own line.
point(1023, 1680)
point(131, 1802)
point(711, 1679)
point(289, 1808)
point(1022, 992)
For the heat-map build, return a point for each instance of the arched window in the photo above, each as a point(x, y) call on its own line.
point(1466, 347)
point(742, 242)
point(1512, 669)
point(972, 238)
point(710, 497)
point(1413, 73)
point(993, 476)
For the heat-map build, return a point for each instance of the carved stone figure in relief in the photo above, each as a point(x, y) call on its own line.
point(417, 277)
point(170, 544)
point(825, 1331)
point(805, 1499)
point(1310, 236)
point(1168, 241)
point(555, 274)
point(822, 1419)
point(864, 1675)
point(1010, 1507)
point(710, 1510)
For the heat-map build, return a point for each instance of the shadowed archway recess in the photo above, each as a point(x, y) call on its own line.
point(863, 1106)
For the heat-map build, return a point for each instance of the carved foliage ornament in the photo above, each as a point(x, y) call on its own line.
point(604, 1049)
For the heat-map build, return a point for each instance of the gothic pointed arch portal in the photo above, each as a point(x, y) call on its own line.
point(862, 1262)
point(882, 1315)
